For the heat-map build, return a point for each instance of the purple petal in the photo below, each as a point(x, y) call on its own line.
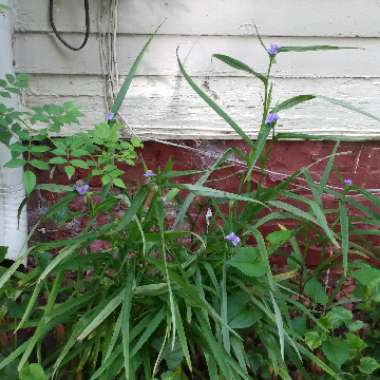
point(233, 238)
point(273, 49)
point(272, 118)
point(110, 116)
point(149, 173)
point(348, 182)
point(82, 189)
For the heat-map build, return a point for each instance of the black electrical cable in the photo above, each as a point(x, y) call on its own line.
point(57, 33)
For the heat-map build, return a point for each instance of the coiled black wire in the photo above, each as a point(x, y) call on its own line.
point(58, 34)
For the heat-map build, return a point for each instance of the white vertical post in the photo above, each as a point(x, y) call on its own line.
point(12, 233)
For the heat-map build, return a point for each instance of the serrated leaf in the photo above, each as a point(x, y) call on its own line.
point(5, 135)
point(79, 152)
point(57, 161)
point(365, 274)
point(335, 350)
point(118, 182)
point(42, 165)
point(136, 142)
point(29, 180)
point(39, 149)
point(337, 317)
point(368, 365)
point(79, 164)
point(69, 170)
point(15, 163)
point(315, 291)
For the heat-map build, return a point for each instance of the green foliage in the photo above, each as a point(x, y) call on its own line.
point(146, 297)
point(29, 135)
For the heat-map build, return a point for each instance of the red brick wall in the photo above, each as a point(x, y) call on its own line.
point(357, 161)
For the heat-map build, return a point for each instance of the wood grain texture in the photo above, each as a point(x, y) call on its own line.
point(165, 107)
point(39, 53)
point(329, 18)
point(162, 105)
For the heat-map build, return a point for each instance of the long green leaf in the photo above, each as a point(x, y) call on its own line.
point(135, 206)
point(214, 106)
point(236, 64)
point(258, 148)
point(321, 218)
point(125, 322)
point(131, 74)
point(344, 232)
point(64, 254)
point(294, 211)
point(300, 49)
point(149, 330)
point(182, 338)
point(344, 104)
point(292, 102)
point(328, 168)
point(189, 199)
point(214, 193)
point(109, 307)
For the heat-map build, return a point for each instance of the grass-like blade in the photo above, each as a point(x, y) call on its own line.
point(349, 106)
point(300, 49)
point(189, 199)
point(131, 74)
point(322, 222)
point(292, 102)
point(214, 105)
point(344, 231)
point(125, 322)
point(236, 64)
point(107, 310)
point(214, 193)
point(328, 168)
point(258, 149)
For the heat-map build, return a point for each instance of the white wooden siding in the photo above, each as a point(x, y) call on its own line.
point(160, 102)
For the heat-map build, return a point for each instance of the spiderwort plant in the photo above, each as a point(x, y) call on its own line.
point(138, 296)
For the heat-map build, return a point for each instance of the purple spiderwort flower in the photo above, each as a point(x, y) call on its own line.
point(149, 174)
point(272, 49)
point(81, 188)
point(272, 118)
point(233, 238)
point(348, 182)
point(110, 116)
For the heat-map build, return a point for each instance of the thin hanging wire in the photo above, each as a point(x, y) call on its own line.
point(58, 34)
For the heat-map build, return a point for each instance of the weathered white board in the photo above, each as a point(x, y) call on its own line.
point(326, 18)
point(161, 104)
point(167, 107)
point(39, 53)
